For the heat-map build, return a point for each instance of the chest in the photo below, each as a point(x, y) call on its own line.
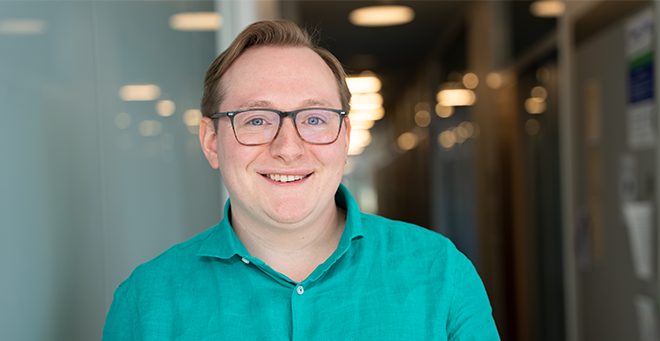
point(344, 304)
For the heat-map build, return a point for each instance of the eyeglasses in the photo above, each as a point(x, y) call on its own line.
point(259, 126)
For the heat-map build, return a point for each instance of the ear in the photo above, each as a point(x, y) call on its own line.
point(209, 141)
point(348, 133)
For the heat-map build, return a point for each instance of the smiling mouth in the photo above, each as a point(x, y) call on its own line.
point(285, 178)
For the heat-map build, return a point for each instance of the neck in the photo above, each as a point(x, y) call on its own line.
point(294, 250)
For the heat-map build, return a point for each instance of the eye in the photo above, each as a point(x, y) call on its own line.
point(256, 122)
point(314, 121)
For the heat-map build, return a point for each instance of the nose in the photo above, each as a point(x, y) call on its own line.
point(287, 145)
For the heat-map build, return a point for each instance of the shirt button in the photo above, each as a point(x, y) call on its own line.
point(300, 290)
point(245, 261)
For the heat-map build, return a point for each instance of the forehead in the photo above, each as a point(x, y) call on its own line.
point(286, 78)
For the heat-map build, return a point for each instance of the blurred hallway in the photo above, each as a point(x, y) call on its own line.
point(528, 138)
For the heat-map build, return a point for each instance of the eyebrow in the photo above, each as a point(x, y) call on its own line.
point(268, 104)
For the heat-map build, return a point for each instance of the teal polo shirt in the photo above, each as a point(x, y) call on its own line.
point(387, 280)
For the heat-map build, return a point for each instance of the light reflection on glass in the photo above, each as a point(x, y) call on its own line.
point(150, 128)
point(23, 26)
point(165, 108)
point(192, 117)
point(123, 120)
point(196, 21)
point(145, 92)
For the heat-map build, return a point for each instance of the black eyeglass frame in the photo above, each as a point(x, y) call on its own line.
point(283, 115)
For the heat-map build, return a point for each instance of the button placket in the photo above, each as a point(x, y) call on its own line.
point(300, 290)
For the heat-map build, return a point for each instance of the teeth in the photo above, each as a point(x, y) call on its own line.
point(285, 178)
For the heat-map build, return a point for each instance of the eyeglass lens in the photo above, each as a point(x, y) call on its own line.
point(314, 126)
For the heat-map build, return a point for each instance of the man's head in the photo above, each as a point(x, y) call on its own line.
point(266, 33)
point(287, 181)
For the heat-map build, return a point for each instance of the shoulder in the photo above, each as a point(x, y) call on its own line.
point(406, 241)
point(174, 261)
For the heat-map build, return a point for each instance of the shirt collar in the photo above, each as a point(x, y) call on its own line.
point(223, 243)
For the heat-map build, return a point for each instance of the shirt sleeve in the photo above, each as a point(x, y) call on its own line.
point(123, 320)
point(470, 316)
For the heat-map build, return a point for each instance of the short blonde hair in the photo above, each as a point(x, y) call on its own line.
point(266, 33)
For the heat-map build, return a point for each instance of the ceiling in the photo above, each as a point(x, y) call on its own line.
point(394, 52)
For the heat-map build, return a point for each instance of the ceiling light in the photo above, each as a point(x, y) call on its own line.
point(470, 80)
point(196, 21)
point(367, 114)
point(539, 92)
point(22, 26)
point(146, 92)
point(373, 16)
point(468, 128)
point(423, 118)
point(407, 141)
point(366, 101)
point(547, 8)
point(363, 84)
point(444, 111)
point(447, 139)
point(362, 125)
point(535, 105)
point(354, 151)
point(456, 97)
point(360, 138)
point(494, 80)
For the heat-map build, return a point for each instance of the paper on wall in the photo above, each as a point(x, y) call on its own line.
point(646, 317)
point(638, 216)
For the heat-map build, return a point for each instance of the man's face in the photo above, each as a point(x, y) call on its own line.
point(286, 79)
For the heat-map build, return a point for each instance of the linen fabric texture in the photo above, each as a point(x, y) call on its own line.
point(387, 280)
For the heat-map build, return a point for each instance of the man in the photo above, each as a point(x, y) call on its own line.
point(294, 258)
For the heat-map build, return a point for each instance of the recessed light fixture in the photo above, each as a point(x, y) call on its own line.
point(196, 21)
point(456, 97)
point(547, 8)
point(363, 84)
point(374, 16)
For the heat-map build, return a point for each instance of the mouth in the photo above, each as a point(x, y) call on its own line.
point(285, 178)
